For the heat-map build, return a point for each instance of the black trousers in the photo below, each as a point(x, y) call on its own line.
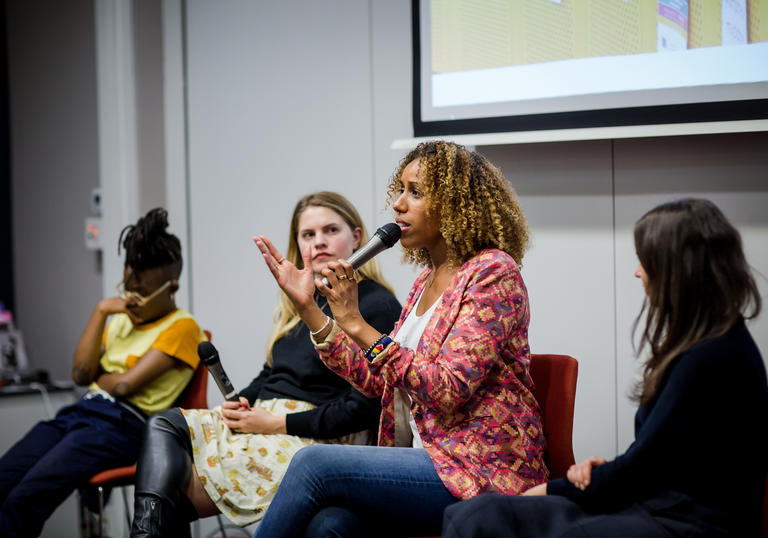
point(40, 471)
point(552, 516)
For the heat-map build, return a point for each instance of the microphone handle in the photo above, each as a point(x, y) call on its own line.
point(223, 382)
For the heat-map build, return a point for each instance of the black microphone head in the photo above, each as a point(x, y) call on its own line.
point(207, 353)
point(389, 234)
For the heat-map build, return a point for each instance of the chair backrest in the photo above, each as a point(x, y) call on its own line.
point(195, 395)
point(554, 377)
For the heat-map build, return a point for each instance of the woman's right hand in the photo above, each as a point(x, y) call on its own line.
point(580, 474)
point(85, 363)
point(298, 284)
point(117, 305)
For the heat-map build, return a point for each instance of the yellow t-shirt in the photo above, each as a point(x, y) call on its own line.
point(176, 334)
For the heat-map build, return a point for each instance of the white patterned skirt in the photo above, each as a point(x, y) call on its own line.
point(241, 472)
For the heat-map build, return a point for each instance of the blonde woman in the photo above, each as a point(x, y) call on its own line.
point(232, 459)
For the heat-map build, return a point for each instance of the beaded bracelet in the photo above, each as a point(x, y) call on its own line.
point(377, 347)
point(321, 329)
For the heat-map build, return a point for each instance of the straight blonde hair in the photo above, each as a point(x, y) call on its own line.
point(285, 316)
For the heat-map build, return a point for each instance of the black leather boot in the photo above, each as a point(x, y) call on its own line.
point(155, 518)
point(161, 509)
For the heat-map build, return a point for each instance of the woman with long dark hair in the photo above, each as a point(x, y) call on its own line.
point(697, 466)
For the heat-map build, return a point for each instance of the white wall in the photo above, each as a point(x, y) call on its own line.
point(581, 200)
point(266, 115)
point(281, 103)
point(54, 166)
point(292, 97)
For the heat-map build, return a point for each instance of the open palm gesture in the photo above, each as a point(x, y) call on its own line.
point(298, 284)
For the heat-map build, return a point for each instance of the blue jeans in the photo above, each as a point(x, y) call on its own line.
point(336, 490)
point(40, 471)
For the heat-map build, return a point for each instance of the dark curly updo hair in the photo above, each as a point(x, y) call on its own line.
point(148, 245)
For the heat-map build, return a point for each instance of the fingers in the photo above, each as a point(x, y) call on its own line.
point(231, 424)
point(578, 475)
point(338, 271)
point(344, 270)
point(233, 420)
point(272, 256)
point(234, 414)
point(306, 256)
point(271, 248)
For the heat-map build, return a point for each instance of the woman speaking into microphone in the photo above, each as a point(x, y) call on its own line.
point(458, 416)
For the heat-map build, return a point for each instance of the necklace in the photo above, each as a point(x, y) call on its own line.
point(433, 277)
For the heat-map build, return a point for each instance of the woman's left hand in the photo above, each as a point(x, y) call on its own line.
point(251, 419)
point(341, 294)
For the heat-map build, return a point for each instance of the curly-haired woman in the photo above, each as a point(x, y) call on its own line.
point(458, 416)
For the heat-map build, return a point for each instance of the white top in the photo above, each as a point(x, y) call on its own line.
point(409, 336)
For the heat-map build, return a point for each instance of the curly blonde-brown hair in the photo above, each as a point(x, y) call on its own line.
point(476, 205)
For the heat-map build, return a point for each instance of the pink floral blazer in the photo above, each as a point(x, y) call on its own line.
point(468, 378)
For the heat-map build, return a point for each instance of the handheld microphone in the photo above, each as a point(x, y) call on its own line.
point(210, 358)
point(384, 238)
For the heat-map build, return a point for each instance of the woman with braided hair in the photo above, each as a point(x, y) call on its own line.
point(135, 365)
point(458, 415)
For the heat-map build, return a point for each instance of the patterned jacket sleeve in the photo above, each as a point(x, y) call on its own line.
point(485, 307)
point(353, 411)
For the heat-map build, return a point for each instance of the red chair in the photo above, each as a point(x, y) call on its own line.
point(195, 396)
point(554, 378)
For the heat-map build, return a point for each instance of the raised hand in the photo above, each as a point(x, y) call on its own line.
point(118, 305)
point(298, 284)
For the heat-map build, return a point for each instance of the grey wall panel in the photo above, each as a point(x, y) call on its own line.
point(298, 96)
point(54, 157)
point(565, 190)
point(279, 106)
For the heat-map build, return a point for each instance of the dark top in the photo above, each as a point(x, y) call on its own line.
point(297, 373)
point(700, 446)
